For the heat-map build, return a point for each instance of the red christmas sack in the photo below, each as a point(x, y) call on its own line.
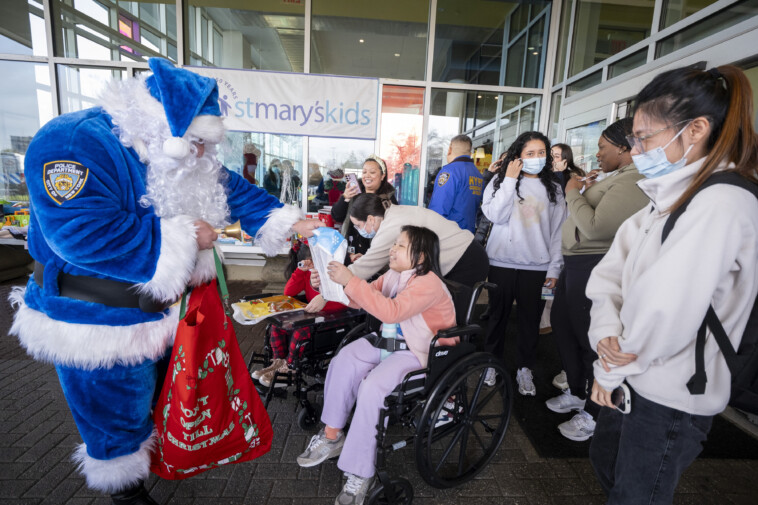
point(209, 413)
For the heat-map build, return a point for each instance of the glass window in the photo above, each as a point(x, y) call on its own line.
point(708, 26)
point(370, 39)
point(628, 63)
point(563, 34)
point(22, 28)
point(402, 122)
point(584, 83)
point(676, 10)
point(583, 142)
point(25, 105)
point(262, 35)
point(603, 28)
point(532, 77)
point(80, 87)
point(114, 30)
point(325, 156)
point(278, 161)
point(508, 132)
point(469, 40)
point(751, 71)
point(515, 65)
point(555, 114)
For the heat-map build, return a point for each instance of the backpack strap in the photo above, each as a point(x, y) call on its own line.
point(696, 384)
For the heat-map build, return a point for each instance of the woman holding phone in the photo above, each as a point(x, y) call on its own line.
point(373, 180)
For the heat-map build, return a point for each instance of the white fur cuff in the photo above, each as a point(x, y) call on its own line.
point(114, 475)
point(176, 262)
point(205, 269)
point(278, 226)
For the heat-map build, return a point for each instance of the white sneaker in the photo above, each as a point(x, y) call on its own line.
point(354, 491)
point(320, 449)
point(447, 412)
point(491, 377)
point(565, 402)
point(525, 382)
point(275, 363)
point(560, 381)
point(579, 428)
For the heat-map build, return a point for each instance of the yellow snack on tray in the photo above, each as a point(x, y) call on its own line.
point(252, 311)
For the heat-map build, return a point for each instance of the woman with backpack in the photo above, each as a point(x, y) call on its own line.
point(651, 292)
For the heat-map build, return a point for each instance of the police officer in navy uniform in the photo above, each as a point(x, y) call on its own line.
point(458, 187)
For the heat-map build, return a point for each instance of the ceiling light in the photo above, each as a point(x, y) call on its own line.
point(479, 96)
point(397, 55)
point(361, 41)
point(496, 98)
point(535, 52)
point(530, 48)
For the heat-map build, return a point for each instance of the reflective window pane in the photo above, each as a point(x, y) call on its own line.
point(676, 10)
point(628, 63)
point(584, 83)
point(276, 164)
point(254, 34)
point(329, 159)
point(22, 27)
point(555, 113)
point(80, 87)
point(708, 26)
point(532, 75)
point(370, 39)
point(603, 28)
point(514, 66)
point(583, 142)
point(25, 105)
point(469, 40)
point(402, 121)
point(116, 30)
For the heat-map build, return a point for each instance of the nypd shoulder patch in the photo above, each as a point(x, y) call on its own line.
point(64, 179)
point(443, 178)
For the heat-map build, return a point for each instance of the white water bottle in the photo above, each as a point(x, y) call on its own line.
point(389, 330)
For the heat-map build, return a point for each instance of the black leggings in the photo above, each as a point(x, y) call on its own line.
point(525, 287)
point(570, 319)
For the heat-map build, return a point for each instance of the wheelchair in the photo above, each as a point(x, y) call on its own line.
point(451, 453)
point(309, 367)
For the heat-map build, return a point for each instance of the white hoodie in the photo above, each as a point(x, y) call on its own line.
point(655, 296)
point(526, 234)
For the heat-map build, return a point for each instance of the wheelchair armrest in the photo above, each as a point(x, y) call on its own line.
point(465, 332)
point(404, 385)
point(353, 334)
point(475, 295)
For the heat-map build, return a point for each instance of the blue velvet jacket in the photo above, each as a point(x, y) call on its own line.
point(84, 187)
point(457, 193)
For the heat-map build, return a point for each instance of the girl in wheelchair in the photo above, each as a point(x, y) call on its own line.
point(282, 346)
point(411, 294)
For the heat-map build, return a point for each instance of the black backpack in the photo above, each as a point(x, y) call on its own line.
point(743, 364)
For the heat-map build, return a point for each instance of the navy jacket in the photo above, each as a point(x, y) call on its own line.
point(457, 192)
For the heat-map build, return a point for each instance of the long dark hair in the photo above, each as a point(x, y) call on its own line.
point(365, 205)
point(423, 241)
point(723, 96)
point(296, 255)
point(568, 154)
point(548, 178)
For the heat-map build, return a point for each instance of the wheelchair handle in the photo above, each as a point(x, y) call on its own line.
point(475, 296)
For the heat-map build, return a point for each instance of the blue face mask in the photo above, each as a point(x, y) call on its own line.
point(654, 163)
point(533, 166)
point(363, 233)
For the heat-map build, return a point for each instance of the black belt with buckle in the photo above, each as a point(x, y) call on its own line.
point(388, 344)
point(103, 291)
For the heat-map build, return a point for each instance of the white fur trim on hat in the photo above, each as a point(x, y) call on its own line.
point(208, 128)
point(272, 236)
point(89, 346)
point(117, 474)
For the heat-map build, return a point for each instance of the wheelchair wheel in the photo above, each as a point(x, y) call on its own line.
point(403, 493)
point(308, 418)
point(477, 418)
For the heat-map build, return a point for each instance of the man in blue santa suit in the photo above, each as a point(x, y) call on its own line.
point(124, 201)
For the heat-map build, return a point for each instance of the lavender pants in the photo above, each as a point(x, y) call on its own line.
point(357, 372)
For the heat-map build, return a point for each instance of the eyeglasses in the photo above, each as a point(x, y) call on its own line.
point(636, 142)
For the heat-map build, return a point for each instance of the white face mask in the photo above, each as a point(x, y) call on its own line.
point(533, 166)
point(654, 163)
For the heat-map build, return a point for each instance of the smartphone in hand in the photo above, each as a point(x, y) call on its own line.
point(352, 180)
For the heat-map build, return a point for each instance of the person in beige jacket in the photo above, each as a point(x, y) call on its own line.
point(594, 217)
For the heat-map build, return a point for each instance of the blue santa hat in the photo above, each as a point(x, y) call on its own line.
point(184, 96)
